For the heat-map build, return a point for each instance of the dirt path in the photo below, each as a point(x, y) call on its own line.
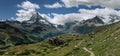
point(79, 44)
point(91, 53)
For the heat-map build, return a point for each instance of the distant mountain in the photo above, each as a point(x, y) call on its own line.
point(82, 27)
point(37, 19)
point(42, 27)
point(87, 26)
point(112, 18)
point(94, 21)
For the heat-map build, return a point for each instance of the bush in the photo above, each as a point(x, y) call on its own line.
point(56, 42)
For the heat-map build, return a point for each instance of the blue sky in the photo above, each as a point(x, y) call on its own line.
point(9, 8)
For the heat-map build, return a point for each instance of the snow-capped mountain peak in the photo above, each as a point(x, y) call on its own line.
point(112, 18)
point(37, 18)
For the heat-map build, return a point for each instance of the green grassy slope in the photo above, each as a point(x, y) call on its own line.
point(103, 41)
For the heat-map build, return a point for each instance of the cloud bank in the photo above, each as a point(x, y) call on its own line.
point(26, 11)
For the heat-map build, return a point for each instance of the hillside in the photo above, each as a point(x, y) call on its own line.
point(103, 41)
point(10, 36)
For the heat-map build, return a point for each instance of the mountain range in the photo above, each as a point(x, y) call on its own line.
point(15, 34)
point(102, 41)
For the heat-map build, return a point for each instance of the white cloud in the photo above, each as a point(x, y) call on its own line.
point(28, 5)
point(63, 18)
point(28, 9)
point(83, 14)
point(55, 5)
point(104, 3)
point(99, 12)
